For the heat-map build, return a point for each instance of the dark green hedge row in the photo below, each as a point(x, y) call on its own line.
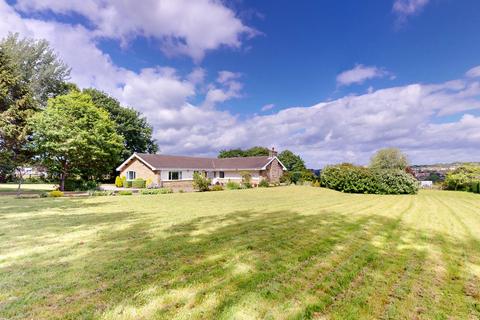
point(475, 187)
point(353, 179)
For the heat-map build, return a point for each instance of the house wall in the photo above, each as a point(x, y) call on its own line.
point(186, 174)
point(236, 176)
point(141, 171)
point(274, 172)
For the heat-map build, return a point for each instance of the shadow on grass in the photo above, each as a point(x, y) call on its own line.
point(257, 264)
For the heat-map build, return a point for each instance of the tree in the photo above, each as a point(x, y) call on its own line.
point(131, 125)
point(73, 137)
point(462, 177)
point(39, 66)
point(389, 158)
point(16, 108)
point(237, 153)
point(292, 161)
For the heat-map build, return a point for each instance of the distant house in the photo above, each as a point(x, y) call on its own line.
point(426, 184)
point(177, 171)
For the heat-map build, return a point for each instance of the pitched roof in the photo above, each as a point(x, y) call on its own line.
point(160, 161)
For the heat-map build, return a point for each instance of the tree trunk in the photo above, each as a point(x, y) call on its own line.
point(63, 177)
point(20, 180)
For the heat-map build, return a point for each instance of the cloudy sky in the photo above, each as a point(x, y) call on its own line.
point(331, 80)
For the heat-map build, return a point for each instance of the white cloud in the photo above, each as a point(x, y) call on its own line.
point(188, 27)
point(268, 107)
point(228, 87)
point(360, 74)
point(474, 72)
point(406, 8)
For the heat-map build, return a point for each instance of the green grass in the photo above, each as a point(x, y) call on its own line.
point(273, 253)
point(37, 187)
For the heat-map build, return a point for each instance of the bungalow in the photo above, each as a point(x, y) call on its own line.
point(177, 171)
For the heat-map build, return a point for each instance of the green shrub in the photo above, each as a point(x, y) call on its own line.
point(124, 182)
point(138, 183)
point(263, 184)
point(316, 184)
point(156, 191)
point(80, 185)
point(56, 194)
point(475, 187)
point(128, 184)
point(118, 182)
point(232, 185)
point(216, 187)
point(200, 182)
point(353, 179)
point(246, 185)
point(125, 193)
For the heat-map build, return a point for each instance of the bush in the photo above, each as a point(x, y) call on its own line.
point(125, 193)
point(80, 185)
point(118, 182)
point(138, 183)
point(263, 184)
point(149, 183)
point(353, 179)
point(246, 185)
point(156, 191)
point(200, 182)
point(231, 185)
point(56, 194)
point(475, 187)
point(316, 184)
point(124, 182)
point(217, 187)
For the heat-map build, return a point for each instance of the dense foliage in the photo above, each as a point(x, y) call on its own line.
point(39, 67)
point(237, 153)
point(354, 179)
point(131, 125)
point(389, 158)
point(463, 178)
point(74, 137)
point(291, 161)
point(200, 182)
point(16, 108)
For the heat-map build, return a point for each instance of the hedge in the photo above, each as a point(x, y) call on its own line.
point(354, 179)
point(475, 187)
point(138, 183)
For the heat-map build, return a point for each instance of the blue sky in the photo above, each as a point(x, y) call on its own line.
point(331, 80)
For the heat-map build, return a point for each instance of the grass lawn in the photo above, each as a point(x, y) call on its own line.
point(36, 187)
point(278, 253)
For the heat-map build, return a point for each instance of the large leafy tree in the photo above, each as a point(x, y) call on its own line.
point(39, 66)
point(237, 153)
point(74, 137)
point(131, 125)
point(389, 158)
point(292, 161)
point(16, 107)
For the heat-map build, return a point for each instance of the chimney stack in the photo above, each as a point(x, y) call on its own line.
point(272, 153)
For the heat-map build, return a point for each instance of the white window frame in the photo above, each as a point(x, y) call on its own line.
point(130, 174)
point(170, 175)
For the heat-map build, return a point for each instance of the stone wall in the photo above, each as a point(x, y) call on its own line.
point(185, 185)
point(274, 172)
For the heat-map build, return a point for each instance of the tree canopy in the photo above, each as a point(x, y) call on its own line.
point(38, 66)
point(73, 137)
point(16, 107)
point(130, 124)
point(292, 161)
point(237, 153)
point(389, 158)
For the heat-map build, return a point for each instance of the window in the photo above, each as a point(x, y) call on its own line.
point(175, 175)
point(221, 174)
point(131, 175)
point(214, 174)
